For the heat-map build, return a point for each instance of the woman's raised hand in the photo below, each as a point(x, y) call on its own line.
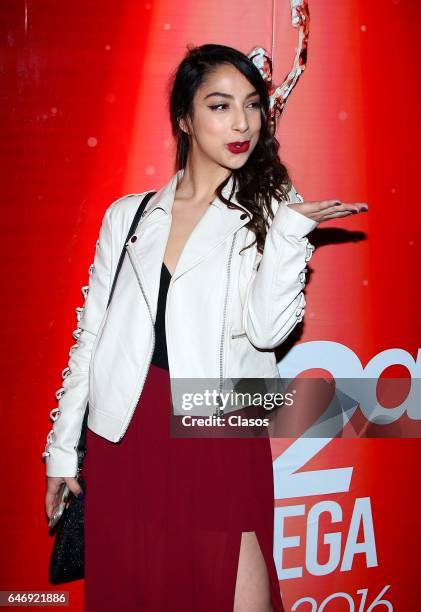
point(328, 209)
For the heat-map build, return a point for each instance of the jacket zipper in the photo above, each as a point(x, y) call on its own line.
point(153, 341)
point(219, 410)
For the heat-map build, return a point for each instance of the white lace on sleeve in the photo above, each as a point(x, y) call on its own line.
point(55, 412)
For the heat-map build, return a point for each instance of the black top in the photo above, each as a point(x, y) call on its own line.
point(160, 357)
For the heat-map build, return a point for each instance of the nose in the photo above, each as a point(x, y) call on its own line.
point(240, 121)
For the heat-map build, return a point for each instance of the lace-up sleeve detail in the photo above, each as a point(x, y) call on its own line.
point(60, 451)
point(295, 197)
point(55, 412)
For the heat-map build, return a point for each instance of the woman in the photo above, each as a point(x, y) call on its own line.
point(212, 283)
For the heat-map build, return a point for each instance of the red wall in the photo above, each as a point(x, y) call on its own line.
point(84, 115)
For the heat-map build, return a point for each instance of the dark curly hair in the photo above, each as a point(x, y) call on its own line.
point(263, 176)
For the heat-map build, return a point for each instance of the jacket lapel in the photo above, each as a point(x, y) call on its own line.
point(214, 227)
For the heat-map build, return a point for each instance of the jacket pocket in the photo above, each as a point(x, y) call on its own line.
point(237, 333)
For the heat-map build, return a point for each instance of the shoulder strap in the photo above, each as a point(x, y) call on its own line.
point(132, 229)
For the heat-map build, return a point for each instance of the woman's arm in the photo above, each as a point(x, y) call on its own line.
point(60, 451)
point(275, 300)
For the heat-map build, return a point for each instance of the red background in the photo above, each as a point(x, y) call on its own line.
point(84, 121)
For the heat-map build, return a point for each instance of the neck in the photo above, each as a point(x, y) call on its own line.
point(199, 181)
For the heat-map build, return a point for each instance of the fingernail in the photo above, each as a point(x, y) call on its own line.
point(80, 495)
point(364, 208)
point(338, 203)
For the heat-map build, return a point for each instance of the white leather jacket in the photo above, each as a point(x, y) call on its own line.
point(224, 310)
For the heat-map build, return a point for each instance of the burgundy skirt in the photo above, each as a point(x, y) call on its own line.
point(164, 515)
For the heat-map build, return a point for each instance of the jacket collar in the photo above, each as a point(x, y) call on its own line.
point(164, 198)
point(217, 224)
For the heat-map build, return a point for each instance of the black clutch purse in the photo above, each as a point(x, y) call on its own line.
point(67, 555)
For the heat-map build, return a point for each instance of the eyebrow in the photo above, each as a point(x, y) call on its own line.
point(225, 95)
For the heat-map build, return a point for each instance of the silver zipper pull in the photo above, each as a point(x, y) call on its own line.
point(219, 411)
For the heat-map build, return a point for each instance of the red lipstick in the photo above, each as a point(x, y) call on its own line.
point(239, 147)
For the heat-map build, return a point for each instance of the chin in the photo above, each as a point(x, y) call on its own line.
point(233, 166)
point(240, 162)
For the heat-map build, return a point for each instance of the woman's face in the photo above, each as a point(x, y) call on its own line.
point(226, 109)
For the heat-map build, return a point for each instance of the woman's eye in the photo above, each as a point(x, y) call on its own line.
point(215, 106)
